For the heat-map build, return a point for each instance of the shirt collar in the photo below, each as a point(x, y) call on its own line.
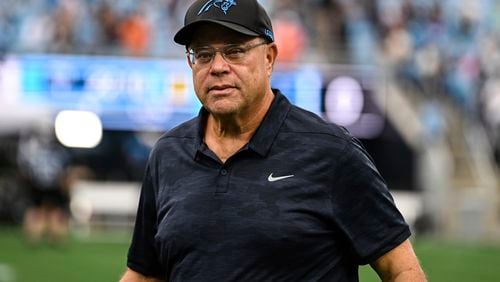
point(200, 129)
point(266, 133)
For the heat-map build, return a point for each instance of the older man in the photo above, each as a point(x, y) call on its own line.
point(254, 188)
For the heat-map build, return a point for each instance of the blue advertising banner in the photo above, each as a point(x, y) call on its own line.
point(125, 93)
point(157, 94)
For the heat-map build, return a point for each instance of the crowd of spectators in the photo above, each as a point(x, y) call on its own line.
point(126, 27)
point(440, 46)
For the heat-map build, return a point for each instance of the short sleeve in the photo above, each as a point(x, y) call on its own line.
point(363, 208)
point(142, 254)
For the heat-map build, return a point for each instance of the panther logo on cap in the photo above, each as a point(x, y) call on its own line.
point(224, 5)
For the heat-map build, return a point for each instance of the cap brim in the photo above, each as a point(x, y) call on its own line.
point(183, 36)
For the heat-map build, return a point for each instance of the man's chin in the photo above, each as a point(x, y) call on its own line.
point(222, 109)
point(222, 112)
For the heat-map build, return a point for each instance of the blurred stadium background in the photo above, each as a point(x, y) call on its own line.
point(418, 81)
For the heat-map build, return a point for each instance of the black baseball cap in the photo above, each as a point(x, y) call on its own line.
point(244, 16)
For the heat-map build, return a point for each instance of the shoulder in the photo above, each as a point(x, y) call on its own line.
point(307, 125)
point(176, 138)
point(183, 131)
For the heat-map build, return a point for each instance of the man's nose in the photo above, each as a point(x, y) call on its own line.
point(219, 64)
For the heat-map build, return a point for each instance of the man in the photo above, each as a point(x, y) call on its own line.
point(254, 188)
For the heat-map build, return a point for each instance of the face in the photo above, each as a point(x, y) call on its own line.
point(236, 88)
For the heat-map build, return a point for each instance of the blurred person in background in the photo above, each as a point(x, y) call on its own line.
point(255, 188)
point(134, 34)
point(290, 36)
point(107, 28)
point(43, 164)
point(64, 17)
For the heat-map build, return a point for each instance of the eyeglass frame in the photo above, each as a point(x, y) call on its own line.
point(222, 50)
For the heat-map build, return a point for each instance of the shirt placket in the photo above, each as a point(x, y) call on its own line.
point(222, 182)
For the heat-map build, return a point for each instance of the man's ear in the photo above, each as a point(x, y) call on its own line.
point(272, 54)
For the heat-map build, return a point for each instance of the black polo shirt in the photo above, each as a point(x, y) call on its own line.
point(301, 202)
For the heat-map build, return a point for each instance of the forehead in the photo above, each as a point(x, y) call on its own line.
point(210, 33)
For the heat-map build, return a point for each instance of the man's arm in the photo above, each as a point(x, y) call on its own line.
point(133, 276)
point(399, 264)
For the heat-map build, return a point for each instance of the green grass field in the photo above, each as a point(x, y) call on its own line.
point(102, 258)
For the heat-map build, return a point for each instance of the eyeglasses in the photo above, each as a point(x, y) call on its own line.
point(232, 53)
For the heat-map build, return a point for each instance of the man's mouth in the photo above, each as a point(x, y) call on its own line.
point(220, 89)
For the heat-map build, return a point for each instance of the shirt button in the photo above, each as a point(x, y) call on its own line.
point(223, 172)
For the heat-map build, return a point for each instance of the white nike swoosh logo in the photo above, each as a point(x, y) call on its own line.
point(271, 178)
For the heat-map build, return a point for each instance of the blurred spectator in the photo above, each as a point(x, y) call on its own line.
point(8, 27)
point(64, 17)
point(134, 34)
point(360, 32)
point(329, 24)
point(391, 12)
point(462, 67)
point(36, 28)
point(290, 36)
point(157, 15)
point(107, 22)
point(42, 165)
point(397, 45)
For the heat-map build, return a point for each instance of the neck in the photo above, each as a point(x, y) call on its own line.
point(240, 125)
point(226, 134)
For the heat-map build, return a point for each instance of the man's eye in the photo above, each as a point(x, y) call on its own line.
point(234, 52)
point(203, 55)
